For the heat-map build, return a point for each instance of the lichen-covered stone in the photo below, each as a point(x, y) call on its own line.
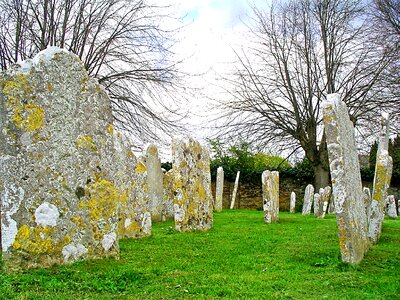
point(235, 189)
point(219, 189)
point(168, 195)
point(321, 202)
point(292, 202)
point(346, 180)
point(383, 173)
point(59, 189)
point(155, 185)
point(270, 188)
point(193, 201)
point(391, 210)
point(308, 199)
point(131, 175)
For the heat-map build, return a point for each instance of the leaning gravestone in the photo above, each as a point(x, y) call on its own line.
point(59, 181)
point(383, 173)
point(318, 205)
point(308, 199)
point(235, 189)
point(270, 188)
point(193, 203)
point(292, 202)
point(346, 180)
point(219, 189)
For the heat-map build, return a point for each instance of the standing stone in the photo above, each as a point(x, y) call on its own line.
point(318, 205)
point(383, 173)
point(325, 197)
point(292, 202)
point(155, 184)
point(168, 195)
point(235, 190)
point(308, 199)
point(270, 188)
point(59, 185)
point(219, 189)
point(392, 212)
point(346, 180)
point(193, 202)
point(367, 202)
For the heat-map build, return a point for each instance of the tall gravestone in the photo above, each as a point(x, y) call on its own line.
point(60, 184)
point(367, 202)
point(346, 180)
point(219, 189)
point(292, 202)
point(155, 184)
point(168, 195)
point(193, 202)
point(321, 204)
point(318, 205)
point(383, 173)
point(270, 188)
point(308, 199)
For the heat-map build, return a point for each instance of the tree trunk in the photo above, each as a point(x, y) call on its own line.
point(321, 179)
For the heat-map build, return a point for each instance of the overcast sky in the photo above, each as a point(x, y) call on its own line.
point(212, 29)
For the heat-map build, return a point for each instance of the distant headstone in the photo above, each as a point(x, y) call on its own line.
point(318, 205)
point(331, 208)
point(367, 202)
point(219, 189)
point(292, 202)
point(270, 188)
point(235, 190)
point(325, 198)
point(193, 202)
point(155, 184)
point(383, 173)
point(392, 211)
point(308, 199)
point(346, 180)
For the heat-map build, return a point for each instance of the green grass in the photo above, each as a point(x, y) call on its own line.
point(241, 257)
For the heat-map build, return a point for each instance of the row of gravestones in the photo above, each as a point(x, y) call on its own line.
point(70, 186)
point(359, 214)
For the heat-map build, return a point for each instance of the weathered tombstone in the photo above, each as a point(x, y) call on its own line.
point(325, 198)
point(168, 195)
point(155, 184)
point(318, 205)
point(292, 202)
point(367, 202)
point(219, 189)
point(308, 199)
point(193, 202)
point(346, 180)
point(383, 173)
point(392, 211)
point(131, 176)
point(59, 184)
point(270, 188)
point(235, 190)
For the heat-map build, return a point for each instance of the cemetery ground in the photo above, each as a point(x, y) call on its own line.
point(240, 257)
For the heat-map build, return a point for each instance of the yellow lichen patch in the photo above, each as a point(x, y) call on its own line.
point(131, 154)
point(36, 240)
point(85, 142)
point(110, 129)
point(141, 168)
point(79, 222)
point(49, 87)
point(103, 199)
point(28, 117)
point(131, 230)
point(17, 90)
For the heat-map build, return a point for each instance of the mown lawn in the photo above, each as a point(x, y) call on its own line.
point(241, 257)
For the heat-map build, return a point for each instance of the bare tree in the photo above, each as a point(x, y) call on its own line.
point(301, 51)
point(120, 42)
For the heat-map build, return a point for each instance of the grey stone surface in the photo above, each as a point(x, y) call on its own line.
point(367, 202)
point(391, 210)
point(383, 173)
point(308, 199)
point(60, 183)
point(346, 180)
point(270, 187)
point(292, 202)
point(219, 189)
point(193, 201)
point(235, 189)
